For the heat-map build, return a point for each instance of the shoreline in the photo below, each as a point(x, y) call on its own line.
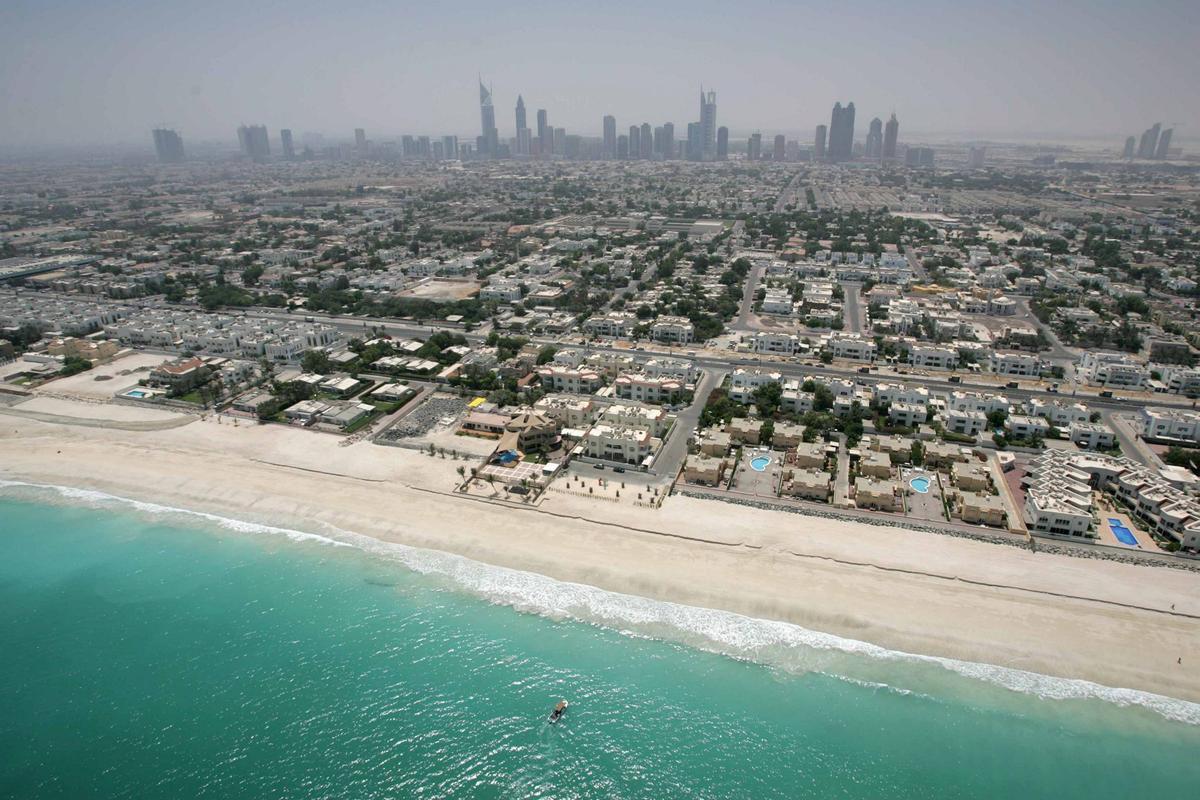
point(910, 592)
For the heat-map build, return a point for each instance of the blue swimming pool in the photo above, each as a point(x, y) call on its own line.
point(759, 463)
point(1123, 534)
point(137, 394)
point(920, 484)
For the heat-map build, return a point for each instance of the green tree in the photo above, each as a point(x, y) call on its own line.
point(316, 361)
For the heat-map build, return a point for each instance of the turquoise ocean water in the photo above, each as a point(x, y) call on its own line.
point(154, 654)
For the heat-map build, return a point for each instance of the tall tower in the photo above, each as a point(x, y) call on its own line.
point(168, 144)
point(874, 144)
point(647, 141)
point(890, 133)
point(1149, 143)
point(780, 147)
point(610, 136)
point(819, 144)
point(722, 143)
point(1164, 142)
point(1130, 144)
point(754, 147)
point(520, 112)
point(668, 148)
point(708, 125)
point(289, 149)
point(635, 141)
point(543, 126)
point(489, 140)
point(841, 133)
point(254, 142)
point(360, 140)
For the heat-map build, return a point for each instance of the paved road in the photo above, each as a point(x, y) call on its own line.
point(789, 192)
point(852, 305)
point(674, 450)
point(742, 322)
point(1131, 444)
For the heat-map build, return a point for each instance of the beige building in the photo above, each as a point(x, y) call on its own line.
point(809, 454)
point(875, 465)
point(809, 484)
point(743, 430)
point(985, 509)
point(877, 494)
point(786, 435)
point(715, 443)
point(971, 477)
point(704, 469)
point(943, 454)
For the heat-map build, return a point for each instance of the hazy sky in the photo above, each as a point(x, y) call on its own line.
point(108, 70)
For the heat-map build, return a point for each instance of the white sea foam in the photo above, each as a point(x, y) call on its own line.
point(710, 629)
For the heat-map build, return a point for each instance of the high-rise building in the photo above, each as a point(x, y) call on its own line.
point(780, 147)
point(610, 136)
point(289, 149)
point(841, 133)
point(360, 140)
point(695, 142)
point(1164, 143)
point(635, 141)
point(622, 149)
point(668, 148)
point(708, 125)
point(520, 112)
point(489, 139)
point(543, 126)
point(254, 142)
point(646, 140)
point(1130, 144)
point(919, 157)
point(1149, 143)
point(168, 144)
point(819, 144)
point(873, 147)
point(523, 143)
point(754, 147)
point(891, 132)
point(722, 143)
point(450, 147)
point(976, 156)
point(560, 142)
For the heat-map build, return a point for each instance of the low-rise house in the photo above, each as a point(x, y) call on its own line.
point(1021, 426)
point(1112, 370)
point(898, 448)
point(774, 342)
point(884, 495)
point(347, 414)
point(1093, 435)
point(484, 423)
point(981, 509)
point(181, 375)
point(567, 379)
point(743, 430)
point(648, 389)
point(971, 477)
point(251, 403)
point(568, 412)
point(614, 324)
point(944, 454)
point(1171, 425)
point(808, 484)
point(809, 455)
point(908, 415)
point(852, 346)
point(933, 357)
point(674, 330)
point(306, 411)
point(875, 465)
point(1016, 363)
point(705, 470)
point(620, 443)
point(534, 432)
point(715, 443)
point(786, 435)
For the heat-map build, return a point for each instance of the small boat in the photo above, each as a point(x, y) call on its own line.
point(558, 711)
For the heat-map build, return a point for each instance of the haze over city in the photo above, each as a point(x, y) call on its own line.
point(80, 72)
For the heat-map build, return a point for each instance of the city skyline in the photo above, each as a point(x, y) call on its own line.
point(195, 74)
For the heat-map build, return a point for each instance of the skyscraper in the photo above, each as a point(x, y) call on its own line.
point(780, 147)
point(841, 133)
point(1149, 143)
point(610, 136)
point(668, 148)
point(360, 140)
point(890, 133)
point(622, 150)
point(450, 148)
point(289, 149)
point(168, 144)
point(647, 141)
point(635, 141)
point(543, 125)
point(254, 142)
point(1164, 143)
point(754, 147)
point(919, 157)
point(819, 144)
point(976, 156)
point(1130, 144)
point(722, 143)
point(695, 141)
point(708, 125)
point(489, 140)
point(520, 112)
point(873, 147)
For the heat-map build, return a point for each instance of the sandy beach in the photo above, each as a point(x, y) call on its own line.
point(1115, 624)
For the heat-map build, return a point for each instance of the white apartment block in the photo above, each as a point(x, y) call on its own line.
point(681, 368)
point(780, 343)
point(568, 379)
point(615, 324)
point(974, 401)
point(743, 382)
point(852, 346)
point(1112, 370)
point(648, 389)
point(888, 393)
point(568, 412)
point(620, 444)
point(1058, 413)
point(505, 290)
point(1171, 424)
point(777, 301)
point(933, 357)
point(963, 421)
point(633, 415)
point(1016, 363)
point(1021, 426)
point(1178, 379)
point(674, 330)
point(1093, 435)
point(910, 415)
